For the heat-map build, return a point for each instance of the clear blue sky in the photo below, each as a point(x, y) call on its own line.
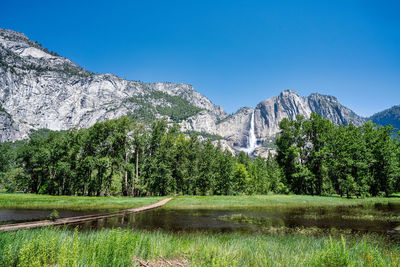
point(237, 53)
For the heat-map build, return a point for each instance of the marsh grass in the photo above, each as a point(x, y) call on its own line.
point(273, 226)
point(276, 246)
point(63, 247)
point(254, 201)
point(33, 201)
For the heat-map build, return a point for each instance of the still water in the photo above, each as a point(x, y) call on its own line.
point(377, 219)
point(24, 215)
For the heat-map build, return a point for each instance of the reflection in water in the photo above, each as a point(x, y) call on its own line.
point(169, 220)
point(24, 215)
point(378, 219)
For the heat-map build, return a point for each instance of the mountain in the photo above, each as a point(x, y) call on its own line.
point(235, 129)
point(288, 104)
point(389, 116)
point(41, 90)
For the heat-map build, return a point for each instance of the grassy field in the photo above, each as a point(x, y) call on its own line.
point(32, 201)
point(65, 247)
point(61, 247)
point(233, 202)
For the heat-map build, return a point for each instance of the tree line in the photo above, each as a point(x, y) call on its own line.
point(124, 157)
point(319, 157)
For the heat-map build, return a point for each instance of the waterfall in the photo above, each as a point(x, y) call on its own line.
point(251, 140)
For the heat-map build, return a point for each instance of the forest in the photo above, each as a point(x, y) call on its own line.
point(319, 157)
point(125, 157)
point(128, 158)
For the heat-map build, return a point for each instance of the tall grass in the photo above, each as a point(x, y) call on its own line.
point(63, 247)
point(233, 202)
point(33, 201)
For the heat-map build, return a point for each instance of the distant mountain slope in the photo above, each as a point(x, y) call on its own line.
point(235, 128)
point(40, 89)
point(289, 104)
point(389, 116)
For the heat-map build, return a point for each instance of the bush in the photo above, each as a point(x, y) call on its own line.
point(54, 215)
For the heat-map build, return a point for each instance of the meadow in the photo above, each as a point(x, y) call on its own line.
point(38, 201)
point(272, 200)
point(45, 202)
point(63, 247)
point(67, 246)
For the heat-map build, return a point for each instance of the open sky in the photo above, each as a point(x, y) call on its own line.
point(237, 53)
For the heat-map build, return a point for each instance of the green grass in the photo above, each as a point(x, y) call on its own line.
point(300, 247)
point(33, 201)
point(61, 247)
point(234, 202)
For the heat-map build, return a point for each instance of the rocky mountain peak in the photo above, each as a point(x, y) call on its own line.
point(288, 93)
point(13, 35)
point(289, 104)
point(317, 96)
point(235, 129)
point(40, 89)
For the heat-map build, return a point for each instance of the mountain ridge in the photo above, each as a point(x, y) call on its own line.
point(390, 116)
point(43, 90)
point(40, 89)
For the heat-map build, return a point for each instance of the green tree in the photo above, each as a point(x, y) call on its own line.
point(205, 183)
point(292, 148)
point(225, 183)
point(259, 181)
point(241, 178)
point(318, 133)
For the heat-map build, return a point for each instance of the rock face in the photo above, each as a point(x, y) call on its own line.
point(289, 104)
point(235, 128)
point(8, 128)
point(40, 89)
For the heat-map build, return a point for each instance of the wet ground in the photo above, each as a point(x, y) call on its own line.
point(376, 219)
point(25, 215)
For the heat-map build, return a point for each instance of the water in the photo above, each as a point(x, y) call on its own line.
point(24, 215)
point(251, 140)
point(377, 219)
point(380, 218)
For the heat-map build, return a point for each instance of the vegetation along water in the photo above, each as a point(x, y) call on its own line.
point(253, 230)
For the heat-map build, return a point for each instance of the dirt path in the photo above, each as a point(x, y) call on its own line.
point(78, 219)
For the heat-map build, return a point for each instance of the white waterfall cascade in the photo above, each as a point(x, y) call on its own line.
point(251, 140)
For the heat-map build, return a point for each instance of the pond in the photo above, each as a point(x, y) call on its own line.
point(24, 215)
point(378, 219)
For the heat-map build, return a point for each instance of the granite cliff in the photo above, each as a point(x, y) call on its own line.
point(40, 89)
